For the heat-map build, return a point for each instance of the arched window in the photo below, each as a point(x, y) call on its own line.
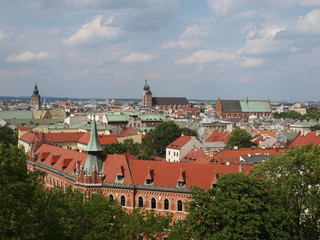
point(140, 200)
point(50, 181)
point(123, 201)
point(179, 206)
point(153, 203)
point(111, 197)
point(53, 182)
point(166, 204)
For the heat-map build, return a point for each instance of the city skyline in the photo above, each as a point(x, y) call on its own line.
point(194, 49)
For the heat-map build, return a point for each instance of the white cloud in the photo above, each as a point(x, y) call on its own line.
point(206, 56)
point(194, 31)
point(308, 25)
point(182, 44)
point(188, 39)
point(27, 56)
point(4, 35)
point(136, 57)
point(250, 62)
point(261, 40)
point(96, 30)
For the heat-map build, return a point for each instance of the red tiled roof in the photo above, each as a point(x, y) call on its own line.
point(233, 155)
point(180, 142)
point(206, 158)
point(182, 110)
point(167, 174)
point(272, 134)
point(103, 139)
point(218, 136)
point(23, 128)
point(164, 174)
point(305, 139)
point(193, 155)
point(60, 157)
point(31, 137)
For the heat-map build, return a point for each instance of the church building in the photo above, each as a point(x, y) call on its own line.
point(162, 103)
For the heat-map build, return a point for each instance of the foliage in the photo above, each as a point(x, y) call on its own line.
point(294, 178)
point(291, 114)
point(238, 208)
point(155, 142)
point(163, 134)
point(240, 138)
point(8, 136)
point(316, 127)
point(129, 146)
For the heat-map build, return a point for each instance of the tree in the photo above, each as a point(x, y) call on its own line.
point(163, 134)
point(294, 178)
point(240, 138)
point(8, 136)
point(239, 207)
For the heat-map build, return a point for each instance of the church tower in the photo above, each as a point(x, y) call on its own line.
point(147, 95)
point(35, 99)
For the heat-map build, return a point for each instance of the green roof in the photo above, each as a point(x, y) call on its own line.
point(16, 115)
point(117, 118)
point(151, 117)
point(306, 123)
point(94, 144)
point(255, 106)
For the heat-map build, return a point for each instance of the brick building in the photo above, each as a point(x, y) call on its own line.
point(154, 185)
point(35, 99)
point(243, 108)
point(162, 103)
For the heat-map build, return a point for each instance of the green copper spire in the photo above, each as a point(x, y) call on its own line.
point(94, 159)
point(94, 144)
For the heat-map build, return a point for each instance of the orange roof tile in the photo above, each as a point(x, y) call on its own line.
point(305, 139)
point(180, 142)
point(193, 155)
point(233, 155)
point(103, 139)
point(218, 136)
point(23, 128)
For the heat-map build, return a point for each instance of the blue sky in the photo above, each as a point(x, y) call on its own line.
point(267, 49)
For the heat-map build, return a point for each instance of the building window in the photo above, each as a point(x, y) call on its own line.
point(140, 202)
point(57, 183)
point(153, 203)
point(123, 201)
point(179, 206)
point(111, 197)
point(53, 182)
point(166, 204)
point(50, 181)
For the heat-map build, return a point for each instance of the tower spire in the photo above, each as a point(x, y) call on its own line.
point(94, 159)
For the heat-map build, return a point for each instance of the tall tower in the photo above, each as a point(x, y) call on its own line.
point(147, 95)
point(35, 99)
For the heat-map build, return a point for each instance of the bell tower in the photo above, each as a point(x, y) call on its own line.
point(35, 99)
point(147, 95)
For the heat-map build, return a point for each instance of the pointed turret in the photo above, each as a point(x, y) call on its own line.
point(94, 159)
point(94, 144)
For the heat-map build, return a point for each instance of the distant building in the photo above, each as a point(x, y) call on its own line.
point(243, 108)
point(163, 103)
point(35, 99)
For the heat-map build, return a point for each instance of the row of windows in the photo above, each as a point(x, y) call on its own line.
point(174, 153)
point(166, 204)
point(55, 183)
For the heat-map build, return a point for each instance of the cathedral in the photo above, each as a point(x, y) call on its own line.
point(35, 99)
point(162, 103)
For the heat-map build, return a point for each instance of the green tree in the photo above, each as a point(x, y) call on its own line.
point(163, 134)
point(239, 207)
point(8, 136)
point(240, 138)
point(294, 178)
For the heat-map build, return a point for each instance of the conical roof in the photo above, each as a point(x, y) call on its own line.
point(94, 144)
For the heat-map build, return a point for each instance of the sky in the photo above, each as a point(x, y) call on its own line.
point(266, 49)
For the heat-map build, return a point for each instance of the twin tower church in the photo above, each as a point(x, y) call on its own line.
point(162, 103)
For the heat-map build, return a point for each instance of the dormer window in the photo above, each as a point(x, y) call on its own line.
point(182, 180)
point(150, 177)
point(120, 175)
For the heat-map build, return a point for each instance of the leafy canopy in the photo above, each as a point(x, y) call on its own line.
point(240, 138)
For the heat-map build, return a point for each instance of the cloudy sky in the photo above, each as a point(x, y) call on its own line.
point(268, 49)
